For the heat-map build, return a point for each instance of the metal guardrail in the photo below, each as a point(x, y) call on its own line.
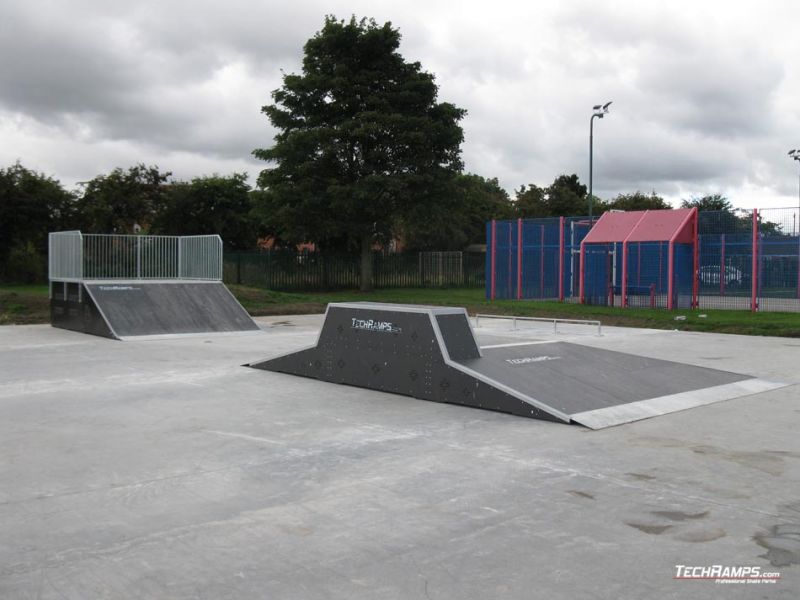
point(555, 322)
point(74, 256)
point(65, 256)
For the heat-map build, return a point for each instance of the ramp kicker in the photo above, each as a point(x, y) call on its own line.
point(135, 309)
point(431, 353)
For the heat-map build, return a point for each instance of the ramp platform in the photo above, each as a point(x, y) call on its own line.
point(135, 309)
point(431, 353)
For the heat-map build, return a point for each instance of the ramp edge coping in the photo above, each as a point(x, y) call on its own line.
point(653, 407)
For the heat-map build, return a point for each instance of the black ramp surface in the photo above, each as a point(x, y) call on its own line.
point(573, 378)
point(163, 308)
point(458, 337)
point(394, 348)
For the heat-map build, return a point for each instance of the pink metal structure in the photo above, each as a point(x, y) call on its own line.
point(677, 226)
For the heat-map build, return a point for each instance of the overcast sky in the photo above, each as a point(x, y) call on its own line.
point(705, 93)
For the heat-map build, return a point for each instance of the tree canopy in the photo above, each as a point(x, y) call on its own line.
point(458, 219)
point(637, 201)
point(120, 200)
point(209, 205)
point(566, 196)
point(710, 202)
point(31, 205)
point(362, 141)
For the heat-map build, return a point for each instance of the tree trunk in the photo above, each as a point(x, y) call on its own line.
point(366, 263)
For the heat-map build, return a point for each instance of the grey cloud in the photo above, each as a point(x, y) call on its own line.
point(698, 102)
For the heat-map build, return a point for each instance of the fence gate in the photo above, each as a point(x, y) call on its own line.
point(441, 269)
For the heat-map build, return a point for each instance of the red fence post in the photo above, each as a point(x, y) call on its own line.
point(670, 274)
point(722, 268)
point(519, 259)
point(754, 266)
point(493, 258)
point(696, 262)
point(561, 261)
point(623, 301)
point(581, 272)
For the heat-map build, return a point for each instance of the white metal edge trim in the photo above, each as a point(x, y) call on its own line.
point(178, 336)
point(397, 308)
point(488, 380)
point(100, 310)
point(239, 304)
point(319, 334)
point(652, 407)
point(537, 343)
point(472, 331)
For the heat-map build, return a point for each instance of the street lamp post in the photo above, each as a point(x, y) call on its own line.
point(598, 110)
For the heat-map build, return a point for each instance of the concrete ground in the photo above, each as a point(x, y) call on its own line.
point(164, 470)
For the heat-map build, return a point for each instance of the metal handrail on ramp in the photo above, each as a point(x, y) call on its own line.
point(555, 322)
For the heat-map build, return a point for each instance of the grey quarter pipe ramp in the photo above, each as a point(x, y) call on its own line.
point(431, 353)
point(136, 309)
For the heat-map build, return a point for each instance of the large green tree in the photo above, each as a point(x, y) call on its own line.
point(207, 205)
point(362, 141)
point(638, 201)
point(566, 196)
point(459, 219)
point(31, 205)
point(710, 202)
point(531, 202)
point(116, 202)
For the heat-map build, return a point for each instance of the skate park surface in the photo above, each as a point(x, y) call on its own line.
point(165, 469)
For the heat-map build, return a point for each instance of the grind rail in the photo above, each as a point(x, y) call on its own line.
point(555, 322)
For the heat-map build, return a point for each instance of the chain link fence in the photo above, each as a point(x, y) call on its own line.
point(291, 271)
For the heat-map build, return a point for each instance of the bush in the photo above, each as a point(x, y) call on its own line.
point(24, 265)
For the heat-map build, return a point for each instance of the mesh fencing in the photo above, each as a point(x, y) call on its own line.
point(746, 259)
point(74, 256)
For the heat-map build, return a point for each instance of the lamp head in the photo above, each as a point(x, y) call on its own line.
point(601, 109)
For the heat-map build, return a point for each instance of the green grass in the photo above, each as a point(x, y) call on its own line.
point(21, 304)
point(261, 302)
point(24, 304)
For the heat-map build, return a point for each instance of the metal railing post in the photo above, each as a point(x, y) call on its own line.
point(138, 258)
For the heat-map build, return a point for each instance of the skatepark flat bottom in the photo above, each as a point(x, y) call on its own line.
point(163, 470)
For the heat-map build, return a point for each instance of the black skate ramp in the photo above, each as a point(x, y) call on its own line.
point(138, 309)
point(431, 353)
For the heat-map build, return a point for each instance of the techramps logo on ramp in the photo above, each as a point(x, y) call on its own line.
point(373, 325)
point(516, 362)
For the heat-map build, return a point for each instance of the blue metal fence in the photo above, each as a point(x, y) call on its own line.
point(744, 262)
